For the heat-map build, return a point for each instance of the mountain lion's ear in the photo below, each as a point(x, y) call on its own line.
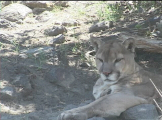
point(129, 44)
point(96, 42)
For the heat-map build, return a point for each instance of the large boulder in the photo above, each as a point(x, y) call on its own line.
point(60, 76)
point(5, 38)
point(96, 118)
point(101, 26)
point(55, 30)
point(7, 93)
point(15, 12)
point(23, 84)
point(141, 112)
point(38, 11)
point(7, 24)
point(61, 3)
point(38, 4)
point(58, 40)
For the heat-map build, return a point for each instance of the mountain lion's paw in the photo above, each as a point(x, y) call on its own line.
point(72, 116)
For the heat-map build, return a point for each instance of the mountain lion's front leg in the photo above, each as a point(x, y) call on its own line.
point(109, 105)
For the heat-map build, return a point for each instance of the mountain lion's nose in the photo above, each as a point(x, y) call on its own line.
point(106, 73)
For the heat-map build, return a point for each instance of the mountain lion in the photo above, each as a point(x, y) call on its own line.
point(122, 83)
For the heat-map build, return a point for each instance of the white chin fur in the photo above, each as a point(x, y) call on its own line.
point(112, 77)
point(103, 77)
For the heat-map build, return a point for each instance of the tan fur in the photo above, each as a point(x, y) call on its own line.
point(123, 83)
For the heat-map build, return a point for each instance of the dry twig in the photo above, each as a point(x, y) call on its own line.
point(160, 93)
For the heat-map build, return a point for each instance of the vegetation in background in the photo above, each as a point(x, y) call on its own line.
point(115, 11)
point(16, 45)
point(111, 12)
point(57, 9)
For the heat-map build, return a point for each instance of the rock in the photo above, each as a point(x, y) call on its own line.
point(30, 20)
point(22, 82)
point(114, 118)
point(139, 112)
point(159, 27)
point(58, 40)
point(7, 93)
point(21, 69)
point(38, 4)
point(58, 23)
point(96, 118)
point(101, 26)
point(6, 24)
point(61, 3)
point(37, 51)
point(70, 23)
point(15, 12)
point(44, 17)
point(56, 30)
point(140, 9)
point(24, 56)
point(5, 116)
point(60, 76)
point(146, 23)
point(19, 22)
point(38, 10)
point(5, 3)
point(29, 97)
point(85, 65)
point(90, 55)
point(33, 117)
point(5, 38)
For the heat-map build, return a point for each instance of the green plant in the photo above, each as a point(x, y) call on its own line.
point(138, 26)
point(30, 15)
point(57, 8)
point(77, 44)
point(115, 11)
point(148, 33)
point(1, 45)
point(40, 59)
point(63, 48)
point(76, 48)
point(145, 4)
point(16, 45)
point(81, 12)
point(111, 12)
point(83, 58)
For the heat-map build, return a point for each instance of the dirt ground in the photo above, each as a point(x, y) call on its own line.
point(39, 97)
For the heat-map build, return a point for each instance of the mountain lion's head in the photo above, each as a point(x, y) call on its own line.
point(114, 59)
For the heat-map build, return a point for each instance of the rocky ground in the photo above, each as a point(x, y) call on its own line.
point(46, 60)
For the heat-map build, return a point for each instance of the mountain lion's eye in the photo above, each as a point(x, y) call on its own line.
point(118, 60)
point(100, 59)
